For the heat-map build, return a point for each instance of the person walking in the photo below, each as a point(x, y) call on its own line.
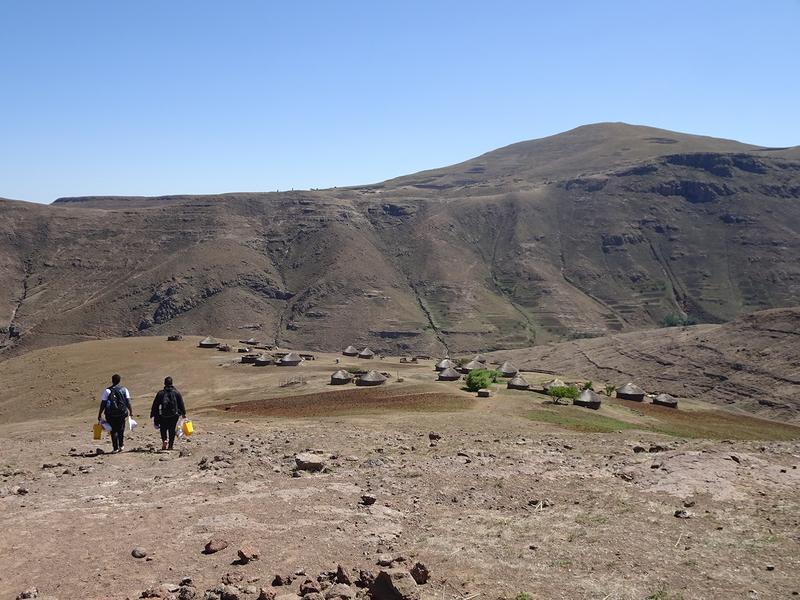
point(116, 403)
point(167, 408)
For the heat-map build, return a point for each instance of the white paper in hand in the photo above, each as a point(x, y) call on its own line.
point(131, 424)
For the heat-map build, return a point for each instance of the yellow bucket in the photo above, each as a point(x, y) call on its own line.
point(188, 428)
point(97, 431)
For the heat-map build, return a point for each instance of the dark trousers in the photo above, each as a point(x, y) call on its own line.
point(117, 431)
point(167, 425)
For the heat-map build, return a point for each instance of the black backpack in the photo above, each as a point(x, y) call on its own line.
point(117, 404)
point(169, 403)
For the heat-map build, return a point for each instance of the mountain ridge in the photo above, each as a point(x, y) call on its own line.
point(602, 229)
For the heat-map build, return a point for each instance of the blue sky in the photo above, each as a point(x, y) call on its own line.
point(152, 97)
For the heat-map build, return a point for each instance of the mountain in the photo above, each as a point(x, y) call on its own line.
point(606, 228)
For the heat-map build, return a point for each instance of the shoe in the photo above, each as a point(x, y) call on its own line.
point(163, 445)
point(169, 448)
point(122, 449)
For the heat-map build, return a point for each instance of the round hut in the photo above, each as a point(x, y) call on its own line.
point(341, 377)
point(250, 342)
point(507, 369)
point(290, 360)
point(471, 366)
point(630, 391)
point(350, 351)
point(552, 384)
point(449, 374)
point(366, 353)
point(588, 399)
point(262, 360)
point(480, 358)
point(445, 363)
point(518, 382)
point(371, 378)
point(209, 342)
point(666, 400)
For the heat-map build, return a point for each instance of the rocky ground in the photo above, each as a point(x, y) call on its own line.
point(488, 502)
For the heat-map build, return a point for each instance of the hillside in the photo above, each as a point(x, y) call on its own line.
point(751, 363)
point(606, 228)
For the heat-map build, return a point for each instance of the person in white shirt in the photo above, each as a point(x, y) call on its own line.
point(116, 403)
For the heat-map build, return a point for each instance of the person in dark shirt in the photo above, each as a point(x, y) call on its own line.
point(116, 403)
point(167, 408)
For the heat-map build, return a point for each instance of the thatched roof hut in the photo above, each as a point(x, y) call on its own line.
point(471, 366)
point(666, 400)
point(341, 377)
point(262, 360)
point(507, 369)
point(250, 358)
point(250, 342)
point(552, 384)
point(371, 378)
point(366, 353)
point(209, 342)
point(518, 383)
point(350, 351)
point(630, 391)
point(449, 374)
point(445, 363)
point(480, 358)
point(588, 399)
point(290, 360)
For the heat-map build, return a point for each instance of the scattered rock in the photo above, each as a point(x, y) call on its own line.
point(266, 594)
point(342, 576)
point(770, 567)
point(138, 552)
point(394, 585)
point(215, 545)
point(247, 554)
point(309, 462)
point(433, 436)
point(280, 580)
point(368, 499)
point(309, 586)
point(29, 593)
point(420, 573)
point(638, 449)
point(231, 592)
point(682, 514)
point(339, 591)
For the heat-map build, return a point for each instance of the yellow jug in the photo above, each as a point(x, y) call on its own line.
point(188, 428)
point(97, 431)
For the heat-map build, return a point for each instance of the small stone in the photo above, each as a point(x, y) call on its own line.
point(314, 596)
point(343, 576)
point(688, 503)
point(230, 592)
point(282, 580)
point(770, 567)
point(309, 586)
point(307, 461)
point(215, 545)
point(420, 573)
point(638, 449)
point(339, 591)
point(138, 552)
point(20, 491)
point(682, 514)
point(433, 436)
point(384, 560)
point(29, 593)
point(186, 581)
point(247, 554)
point(394, 585)
point(368, 499)
point(266, 594)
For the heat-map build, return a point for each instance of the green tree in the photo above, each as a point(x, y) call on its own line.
point(562, 391)
point(480, 378)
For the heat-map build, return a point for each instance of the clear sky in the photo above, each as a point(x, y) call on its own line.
point(152, 97)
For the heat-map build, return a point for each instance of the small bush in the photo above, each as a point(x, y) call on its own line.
point(609, 389)
point(481, 378)
point(674, 320)
point(588, 386)
point(523, 596)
